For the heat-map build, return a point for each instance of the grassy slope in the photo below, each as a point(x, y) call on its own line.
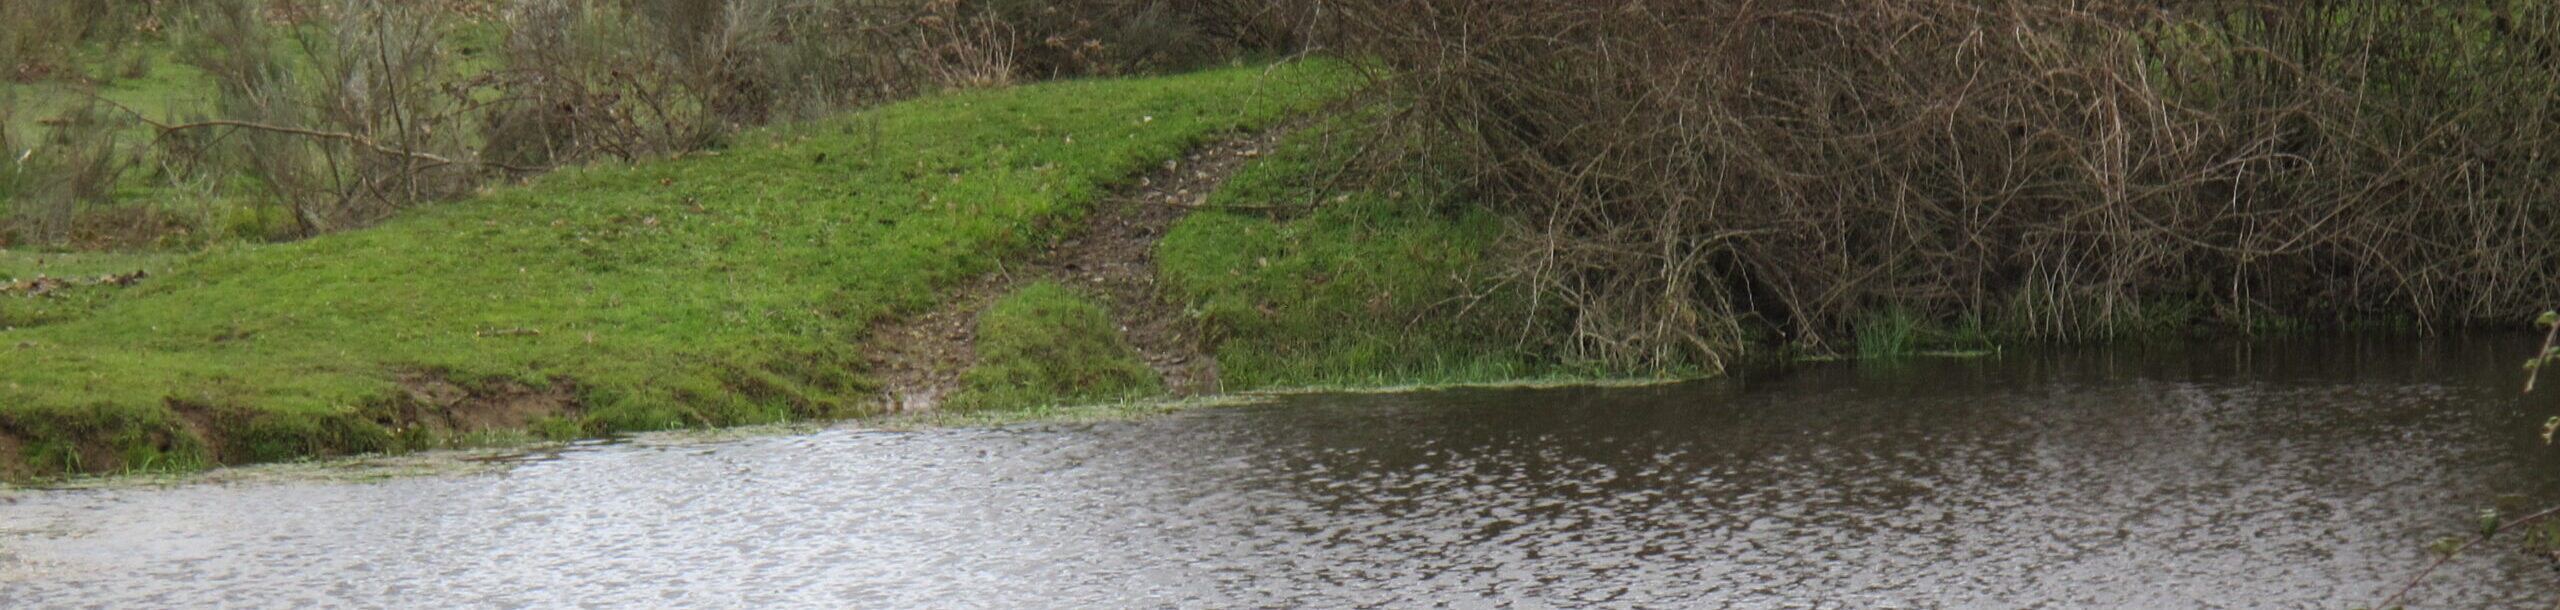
point(17, 310)
point(709, 291)
point(1046, 345)
point(1365, 288)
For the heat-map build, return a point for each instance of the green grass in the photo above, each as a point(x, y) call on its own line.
point(31, 263)
point(716, 290)
point(1894, 332)
point(1046, 345)
point(75, 302)
point(1307, 283)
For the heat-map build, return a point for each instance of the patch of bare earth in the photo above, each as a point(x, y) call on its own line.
point(919, 359)
point(199, 421)
point(441, 404)
point(13, 458)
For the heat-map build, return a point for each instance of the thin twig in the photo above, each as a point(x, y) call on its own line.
point(368, 143)
point(2466, 545)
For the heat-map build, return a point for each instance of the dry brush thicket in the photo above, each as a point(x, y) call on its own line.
point(1689, 176)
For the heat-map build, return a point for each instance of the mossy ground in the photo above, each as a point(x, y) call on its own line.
point(715, 290)
point(1047, 345)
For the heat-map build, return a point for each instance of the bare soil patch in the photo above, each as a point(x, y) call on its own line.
point(919, 359)
point(13, 458)
point(199, 421)
point(437, 402)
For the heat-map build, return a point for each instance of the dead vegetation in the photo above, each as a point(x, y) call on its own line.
point(1690, 176)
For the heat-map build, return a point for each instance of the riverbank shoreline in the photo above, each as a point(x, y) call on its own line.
point(714, 291)
point(501, 454)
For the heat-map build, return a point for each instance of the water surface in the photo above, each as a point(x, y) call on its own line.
point(2303, 474)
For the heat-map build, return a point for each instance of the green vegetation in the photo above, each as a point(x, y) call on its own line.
point(31, 263)
point(266, 120)
point(1900, 332)
point(20, 307)
point(1306, 280)
point(728, 288)
point(1518, 205)
point(1046, 345)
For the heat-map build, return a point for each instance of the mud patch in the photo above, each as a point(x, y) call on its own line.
point(13, 458)
point(920, 359)
point(199, 421)
point(439, 403)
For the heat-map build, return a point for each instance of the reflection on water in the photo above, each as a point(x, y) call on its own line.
point(2264, 475)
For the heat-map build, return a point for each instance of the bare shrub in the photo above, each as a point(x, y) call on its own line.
point(71, 166)
point(340, 113)
point(1265, 25)
point(959, 50)
point(41, 39)
point(837, 55)
point(585, 79)
point(1061, 38)
point(1688, 173)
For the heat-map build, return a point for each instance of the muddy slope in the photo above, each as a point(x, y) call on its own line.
point(919, 359)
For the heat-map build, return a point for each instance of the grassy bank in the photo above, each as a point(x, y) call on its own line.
point(1305, 277)
point(1046, 344)
point(721, 289)
point(80, 291)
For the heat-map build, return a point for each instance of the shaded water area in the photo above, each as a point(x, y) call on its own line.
point(2289, 474)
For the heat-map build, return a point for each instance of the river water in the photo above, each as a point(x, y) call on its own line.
point(2296, 474)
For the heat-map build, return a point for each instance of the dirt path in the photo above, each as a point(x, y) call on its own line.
point(919, 359)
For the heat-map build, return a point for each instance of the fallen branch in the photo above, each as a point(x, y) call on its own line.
point(367, 143)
